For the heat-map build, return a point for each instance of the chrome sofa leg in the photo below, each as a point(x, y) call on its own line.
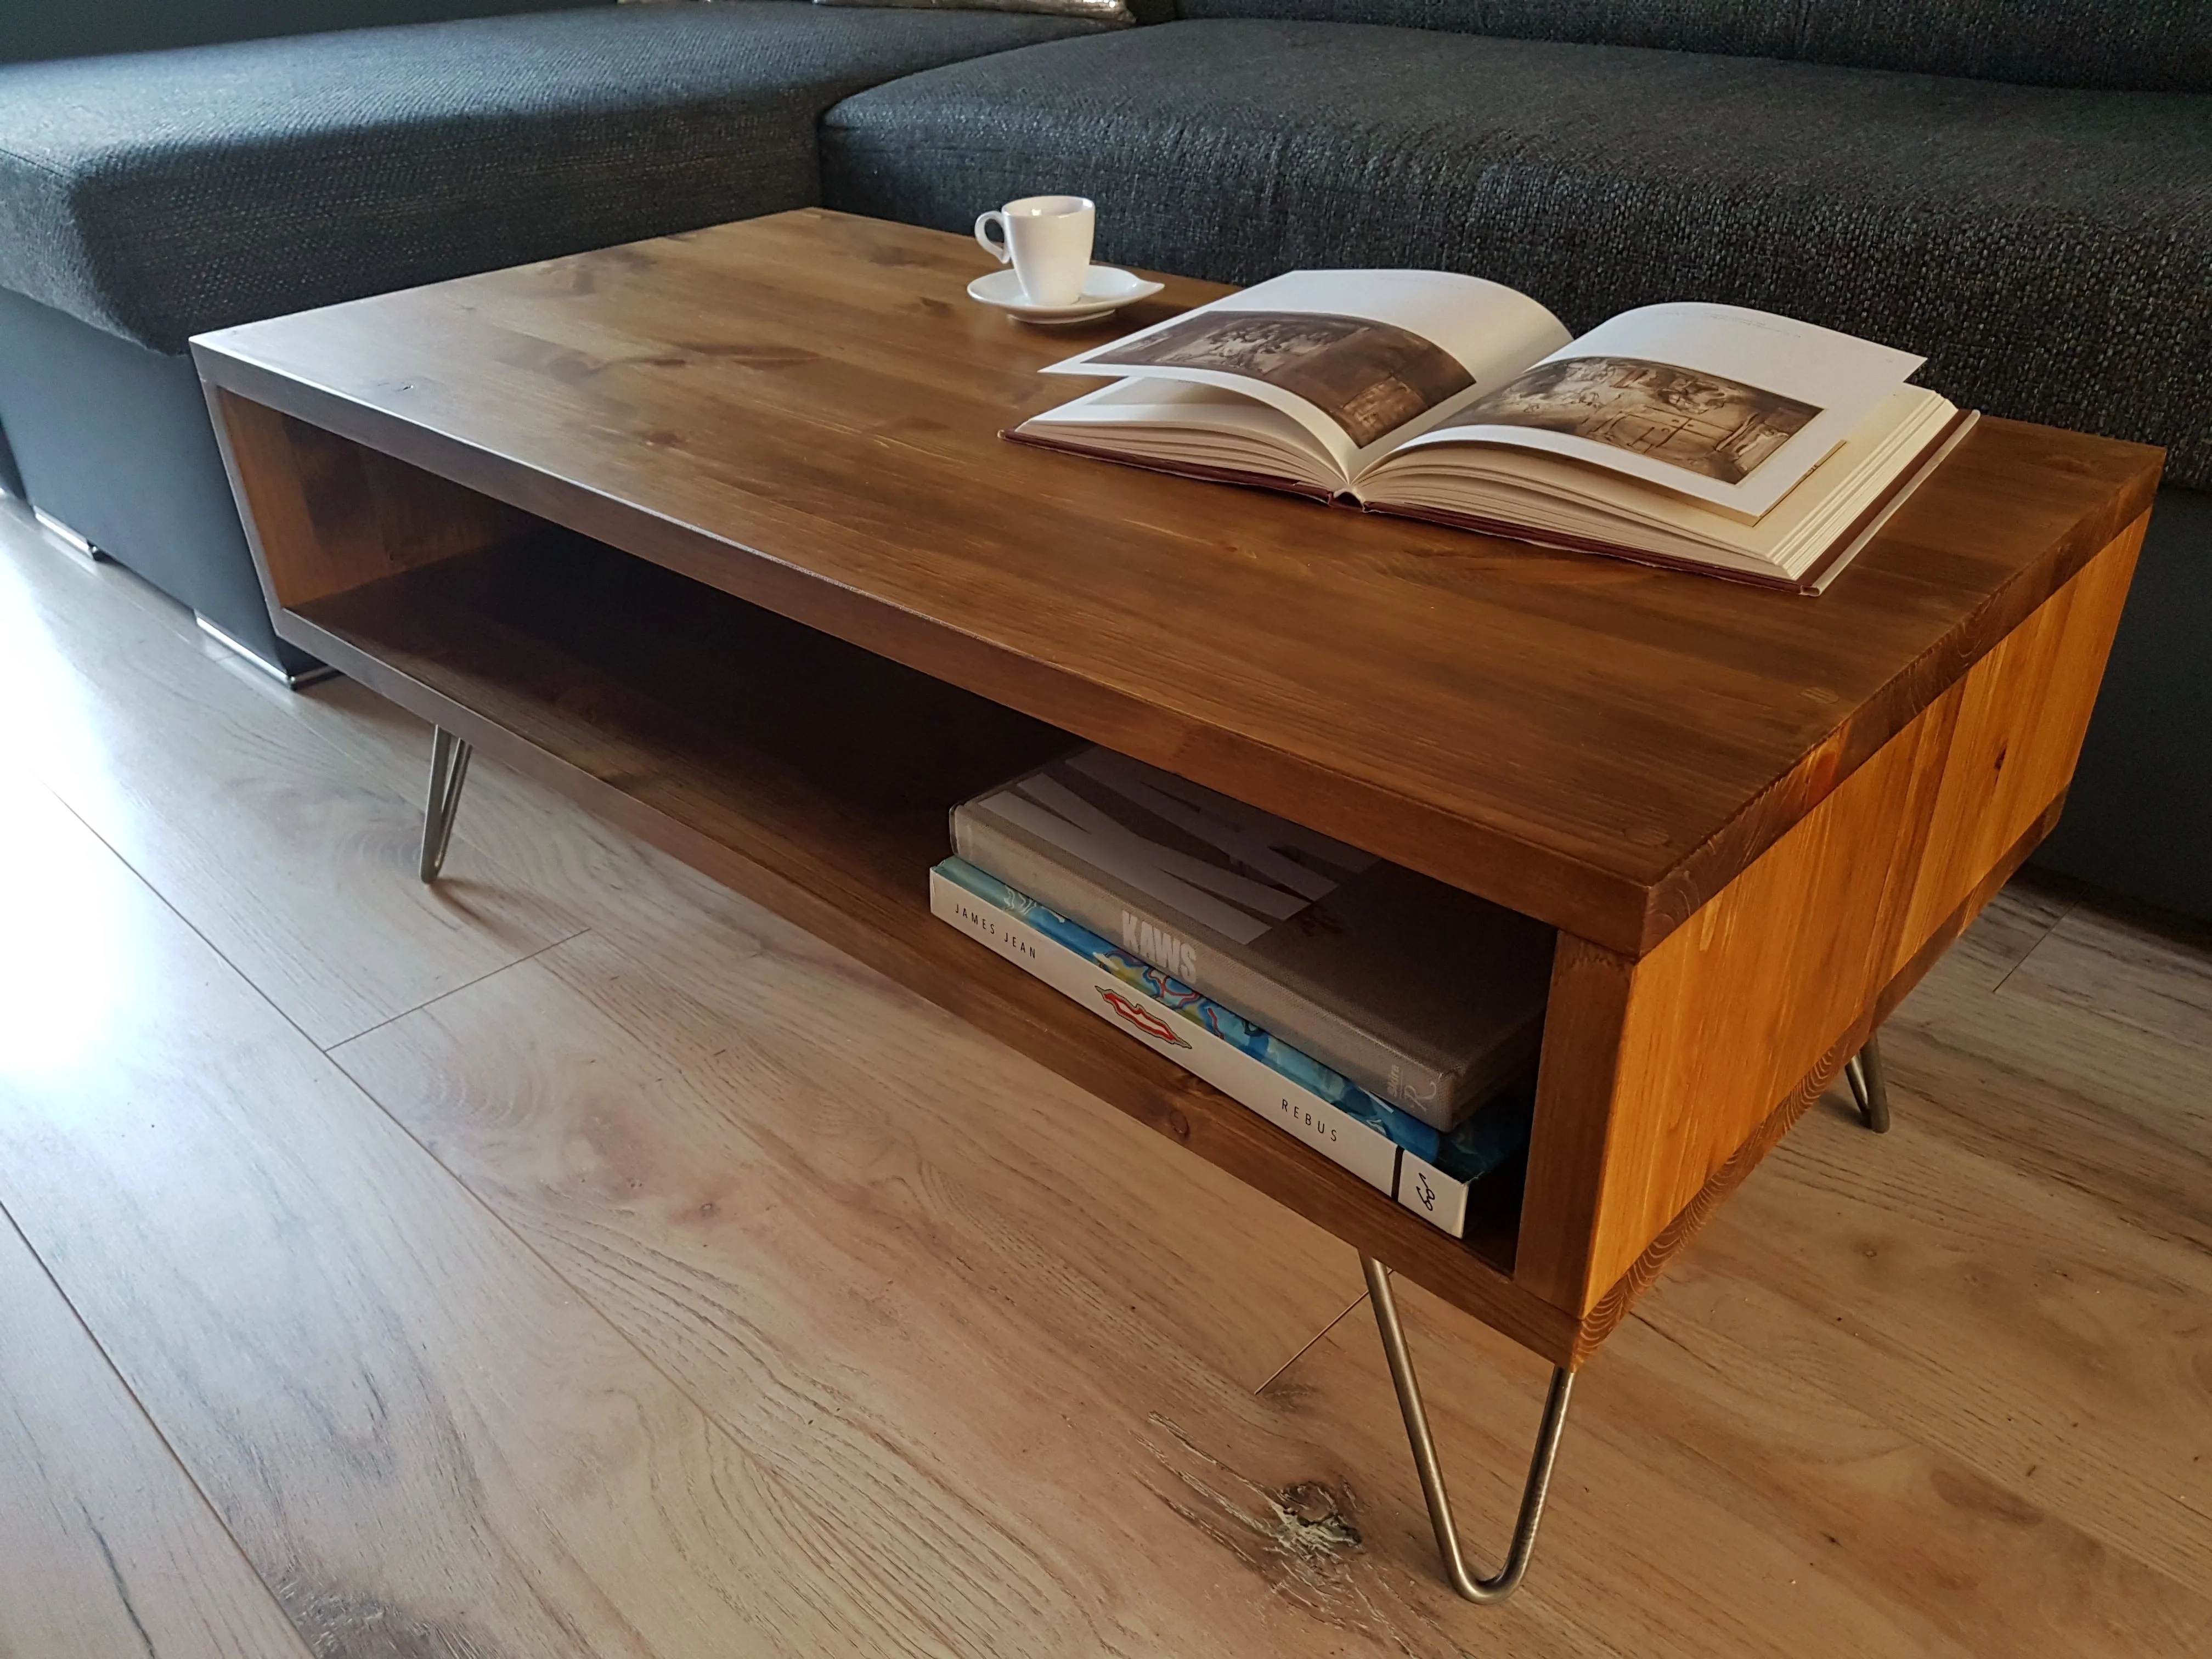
point(68, 538)
point(275, 671)
point(1507, 1579)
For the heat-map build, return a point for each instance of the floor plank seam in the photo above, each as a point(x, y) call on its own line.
point(1355, 1302)
point(475, 1198)
point(178, 618)
point(2028, 955)
point(715, 1419)
point(141, 879)
point(152, 1424)
point(450, 991)
point(220, 664)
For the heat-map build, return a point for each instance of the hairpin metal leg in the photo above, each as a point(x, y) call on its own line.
point(449, 768)
point(1508, 1577)
point(1869, 1089)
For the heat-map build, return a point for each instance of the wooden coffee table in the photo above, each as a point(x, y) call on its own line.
point(716, 535)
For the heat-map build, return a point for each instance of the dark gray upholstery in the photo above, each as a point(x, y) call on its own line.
point(85, 28)
point(11, 479)
point(160, 194)
point(2049, 251)
point(2150, 45)
point(113, 440)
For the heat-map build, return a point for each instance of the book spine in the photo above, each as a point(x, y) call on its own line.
point(1328, 1129)
point(1439, 1199)
point(1377, 1065)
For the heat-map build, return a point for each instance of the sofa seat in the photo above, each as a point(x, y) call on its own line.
point(2049, 250)
point(157, 195)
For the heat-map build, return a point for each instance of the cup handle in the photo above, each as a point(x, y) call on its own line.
point(997, 249)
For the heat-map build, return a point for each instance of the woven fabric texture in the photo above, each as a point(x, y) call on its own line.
point(2145, 46)
point(2049, 251)
point(1102, 11)
point(162, 194)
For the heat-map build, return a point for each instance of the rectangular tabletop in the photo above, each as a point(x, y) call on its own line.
point(804, 411)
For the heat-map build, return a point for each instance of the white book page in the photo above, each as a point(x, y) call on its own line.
point(1728, 406)
point(1545, 494)
point(1360, 359)
point(1176, 419)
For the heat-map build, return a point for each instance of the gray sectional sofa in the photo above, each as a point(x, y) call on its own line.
point(2020, 189)
point(146, 197)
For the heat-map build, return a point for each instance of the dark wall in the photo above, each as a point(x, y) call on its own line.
point(83, 28)
point(2139, 817)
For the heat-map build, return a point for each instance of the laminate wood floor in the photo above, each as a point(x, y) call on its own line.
point(573, 1259)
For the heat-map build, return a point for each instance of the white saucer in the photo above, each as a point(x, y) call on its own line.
point(1105, 291)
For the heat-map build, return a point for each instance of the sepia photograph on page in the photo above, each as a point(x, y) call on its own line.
point(1805, 538)
point(1359, 360)
point(1731, 407)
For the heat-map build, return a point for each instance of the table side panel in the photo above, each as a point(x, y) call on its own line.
point(1996, 485)
point(323, 515)
point(1613, 1307)
point(1747, 1000)
point(2021, 718)
point(1684, 1042)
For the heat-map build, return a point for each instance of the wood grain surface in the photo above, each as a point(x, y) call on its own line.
point(624, 660)
point(365, 515)
point(106, 1548)
point(424, 1439)
point(2020, 716)
point(258, 813)
point(1779, 1504)
point(803, 410)
point(1755, 1003)
point(1611, 1307)
point(1943, 1394)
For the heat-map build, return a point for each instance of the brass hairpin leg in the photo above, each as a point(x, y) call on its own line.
point(1507, 1579)
point(1869, 1089)
point(449, 770)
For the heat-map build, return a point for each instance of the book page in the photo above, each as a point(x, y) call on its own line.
point(1728, 406)
point(1205, 424)
point(1543, 494)
point(1360, 359)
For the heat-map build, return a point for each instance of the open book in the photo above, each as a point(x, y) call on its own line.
point(1700, 435)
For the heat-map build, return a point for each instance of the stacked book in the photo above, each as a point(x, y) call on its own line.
point(1389, 1022)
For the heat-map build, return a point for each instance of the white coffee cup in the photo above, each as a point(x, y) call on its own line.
point(1048, 240)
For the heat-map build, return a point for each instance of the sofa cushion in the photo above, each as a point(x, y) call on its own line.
point(29, 30)
point(2049, 251)
point(161, 194)
point(2147, 45)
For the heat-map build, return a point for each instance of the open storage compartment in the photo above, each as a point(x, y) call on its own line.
point(758, 741)
point(809, 774)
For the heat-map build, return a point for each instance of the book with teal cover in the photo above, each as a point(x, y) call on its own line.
point(1425, 996)
point(1488, 1138)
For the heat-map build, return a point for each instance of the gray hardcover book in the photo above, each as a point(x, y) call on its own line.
point(1423, 994)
